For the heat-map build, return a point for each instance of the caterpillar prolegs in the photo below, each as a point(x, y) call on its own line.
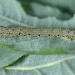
point(13, 32)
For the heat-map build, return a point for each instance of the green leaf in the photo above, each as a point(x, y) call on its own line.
point(43, 65)
point(65, 4)
point(8, 55)
point(40, 45)
point(42, 58)
point(42, 11)
point(12, 14)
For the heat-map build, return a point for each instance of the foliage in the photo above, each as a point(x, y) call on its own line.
point(28, 55)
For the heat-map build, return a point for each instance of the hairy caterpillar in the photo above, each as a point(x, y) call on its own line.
point(12, 32)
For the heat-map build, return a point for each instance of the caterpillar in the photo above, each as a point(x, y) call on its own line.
point(12, 32)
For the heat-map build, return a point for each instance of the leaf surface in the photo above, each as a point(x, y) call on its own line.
point(8, 55)
point(13, 16)
point(45, 55)
point(40, 65)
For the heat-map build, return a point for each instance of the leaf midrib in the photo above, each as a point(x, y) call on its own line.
point(13, 21)
point(39, 66)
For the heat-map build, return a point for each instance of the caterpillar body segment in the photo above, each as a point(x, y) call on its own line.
point(13, 32)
